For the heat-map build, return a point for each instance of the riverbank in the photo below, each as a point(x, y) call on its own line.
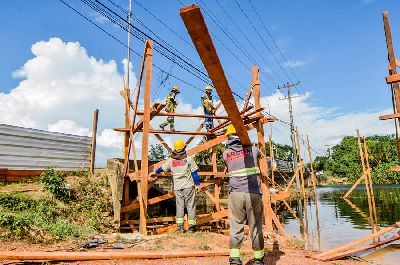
point(283, 251)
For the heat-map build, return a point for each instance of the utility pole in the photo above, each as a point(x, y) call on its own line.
point(292, 130)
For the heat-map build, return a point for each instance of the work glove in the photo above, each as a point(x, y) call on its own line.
point(198, 188)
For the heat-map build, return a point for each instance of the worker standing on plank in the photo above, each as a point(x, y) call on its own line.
point(185, 177)
point(244, 202)
point(170, 108)
point(208, 106)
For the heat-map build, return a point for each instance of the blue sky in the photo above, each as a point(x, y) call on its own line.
point(337, 48)
point(342, 42)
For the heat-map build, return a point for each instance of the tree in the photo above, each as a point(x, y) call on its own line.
point(157, 153)
point(345, 159)
point(281, 151)
point(205, 156)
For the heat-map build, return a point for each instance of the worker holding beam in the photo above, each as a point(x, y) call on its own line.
point(185, 177)
point(170, 107)
point(244, 201)
point(208, 106)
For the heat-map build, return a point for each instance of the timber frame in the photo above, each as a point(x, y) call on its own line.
point(250, 117)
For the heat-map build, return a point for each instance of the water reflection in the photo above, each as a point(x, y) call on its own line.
point(342, 221)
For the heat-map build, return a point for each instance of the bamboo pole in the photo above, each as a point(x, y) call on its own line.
point(93, 148)
point(371, 217)
point(370, 184)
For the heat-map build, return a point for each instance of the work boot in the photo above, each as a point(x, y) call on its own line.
point(192, 229)
point(258, 261)
point(235, 261)
point(162, 127)
point(179, 229)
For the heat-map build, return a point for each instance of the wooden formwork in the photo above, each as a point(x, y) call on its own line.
point(250, 117)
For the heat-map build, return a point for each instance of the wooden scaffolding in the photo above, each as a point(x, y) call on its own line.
point(249, 118)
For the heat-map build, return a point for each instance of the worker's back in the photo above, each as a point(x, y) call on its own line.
point(242, 164)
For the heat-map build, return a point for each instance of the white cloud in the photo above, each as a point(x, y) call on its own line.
point(296, 63)
point(62, 85)
point(68, 126)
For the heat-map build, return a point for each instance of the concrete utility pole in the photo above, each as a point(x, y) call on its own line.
point(292, 130)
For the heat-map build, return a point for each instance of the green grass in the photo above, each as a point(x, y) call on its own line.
point(57, 214)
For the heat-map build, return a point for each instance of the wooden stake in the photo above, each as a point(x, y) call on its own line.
point(271, 157)
point(93, 149)
point(371, 217)
point(370, 185)
point(303, 188)
point(314, 182)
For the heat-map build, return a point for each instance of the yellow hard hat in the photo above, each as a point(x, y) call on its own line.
point(209, 88)
point(230, 130)
point(176, 88)
point(179, 145)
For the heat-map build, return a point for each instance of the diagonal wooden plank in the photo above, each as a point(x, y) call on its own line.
point(201, 38)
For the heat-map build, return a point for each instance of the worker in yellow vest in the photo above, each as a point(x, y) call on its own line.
point(170, 108)
point(208, 106)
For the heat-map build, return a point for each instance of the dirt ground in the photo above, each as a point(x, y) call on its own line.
point(280, 252)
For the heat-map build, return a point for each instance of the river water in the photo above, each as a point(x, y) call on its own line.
point(343, 221)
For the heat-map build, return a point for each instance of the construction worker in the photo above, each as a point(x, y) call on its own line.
point(208, 106)
point(185, 177)
point(170, 108)
point(244, 201)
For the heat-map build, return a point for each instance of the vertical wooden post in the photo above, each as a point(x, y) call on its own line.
point(370, 185)
point(391, 56)
point(216, 185)
point(371, 218)
point(93, 149)
point(145, 138)
point(392, 63)
point(271, 157)
point(261, 145)
point(314, 182)
point(303, 187)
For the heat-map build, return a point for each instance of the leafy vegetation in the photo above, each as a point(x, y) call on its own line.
point(157, 153)
point(344, 159)
point(57, 212)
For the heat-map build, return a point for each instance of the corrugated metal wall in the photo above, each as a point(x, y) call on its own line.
point(31, 149)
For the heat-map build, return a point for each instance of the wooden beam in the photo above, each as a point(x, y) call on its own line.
point(271, 157)
point(280, 196)
point(363, 248)
point(184, 115)
point(357, 242)
point(145, 136)
point(354, 186)
point(391, 79)
point(109, 255)
point(197, 29)
point(152, 220)
point(93, 148)
point(389, 116)
point(263, 164)
point(391, 57)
